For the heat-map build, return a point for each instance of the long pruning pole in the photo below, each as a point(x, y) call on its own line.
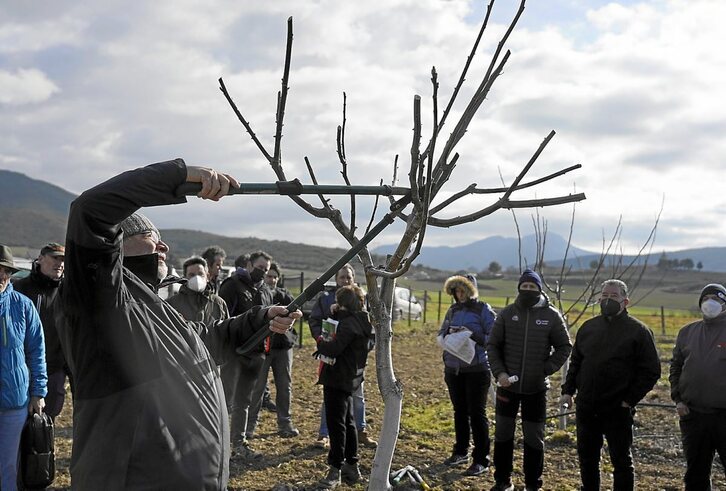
point(319, 282)
point(296, 188)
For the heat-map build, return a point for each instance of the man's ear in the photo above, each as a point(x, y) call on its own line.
point(626, 302)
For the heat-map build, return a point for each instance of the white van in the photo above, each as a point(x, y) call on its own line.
point(403, 303)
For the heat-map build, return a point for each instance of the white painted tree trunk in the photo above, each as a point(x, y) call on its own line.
point(390, 388)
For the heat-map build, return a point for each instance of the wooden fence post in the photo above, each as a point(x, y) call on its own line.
point(302, 321)
point(438, 317)
point(425, 305)
point(662, 320)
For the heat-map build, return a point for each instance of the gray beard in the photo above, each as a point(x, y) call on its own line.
point(163, 271)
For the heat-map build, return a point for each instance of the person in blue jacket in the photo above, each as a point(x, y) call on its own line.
point(23, 376)
point(468, 381)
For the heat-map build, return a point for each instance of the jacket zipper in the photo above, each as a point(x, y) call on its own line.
point(524, 351)
point(5, 332)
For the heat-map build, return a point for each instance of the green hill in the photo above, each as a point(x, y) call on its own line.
point(33, 212)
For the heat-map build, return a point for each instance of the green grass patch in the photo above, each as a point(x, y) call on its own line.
point(428, 419)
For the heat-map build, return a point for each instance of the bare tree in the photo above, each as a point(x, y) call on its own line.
point(428, 170)
point(572, 290)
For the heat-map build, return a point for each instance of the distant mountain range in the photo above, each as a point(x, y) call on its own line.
point(477, 256)
point(504, 250)
point(34, 212)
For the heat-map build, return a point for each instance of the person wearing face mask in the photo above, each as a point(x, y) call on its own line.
point(278, 357)
point(614, 364)
point(242, 291)
point(528, 343)
point(698, 387)
point(325, 307)
point(149, 411)
point(195, 300)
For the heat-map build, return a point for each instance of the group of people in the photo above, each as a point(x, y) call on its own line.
point(613, 364)
point(155, 382)
point(161, 395)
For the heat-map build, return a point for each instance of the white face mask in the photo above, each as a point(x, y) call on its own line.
point(711, 308)
point(197, 283)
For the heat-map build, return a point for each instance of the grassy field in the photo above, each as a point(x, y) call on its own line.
point(427, 434)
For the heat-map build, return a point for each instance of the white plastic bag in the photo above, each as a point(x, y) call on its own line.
point(460, 345)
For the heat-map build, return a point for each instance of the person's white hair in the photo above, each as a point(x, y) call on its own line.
point(614, 282)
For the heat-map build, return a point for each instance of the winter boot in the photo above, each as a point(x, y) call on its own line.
point(350, 473)
point(331, 479)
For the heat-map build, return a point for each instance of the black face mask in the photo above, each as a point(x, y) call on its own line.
point(609, 307)
point(528, 298)
point(146, 267)
point(257, 275)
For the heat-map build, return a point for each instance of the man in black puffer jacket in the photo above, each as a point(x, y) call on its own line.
point(614, 364)
point(41, 286)
point(529, 340)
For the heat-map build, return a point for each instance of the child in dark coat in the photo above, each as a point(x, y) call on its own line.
point(349, 347)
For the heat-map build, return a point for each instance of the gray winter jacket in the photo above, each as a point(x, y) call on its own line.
point(531, 343)
point(699, 364)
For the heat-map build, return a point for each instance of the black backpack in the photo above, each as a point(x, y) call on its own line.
point(37, 456)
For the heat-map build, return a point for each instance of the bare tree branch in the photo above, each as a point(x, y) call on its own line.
point(282, 98)
point(472, 188)
point(437, 126)
point(340, 145)
point(415, 146)
point(375, 208)
point(242, 120)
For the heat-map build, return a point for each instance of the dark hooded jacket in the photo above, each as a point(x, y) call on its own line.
point(205, 306)
point(43, 292)
point(531, 343)
point(614, 360)
point(149, 409)
point(697, 368)
point(350, 349)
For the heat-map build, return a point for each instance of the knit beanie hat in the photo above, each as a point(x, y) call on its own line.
point(138, 224)
point(531, 276)
point(712, 289)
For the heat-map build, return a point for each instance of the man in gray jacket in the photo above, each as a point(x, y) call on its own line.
point(149, 409)
point(529, 340)
point(698, 387)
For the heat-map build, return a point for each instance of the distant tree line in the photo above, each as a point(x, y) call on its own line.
point(669, 264)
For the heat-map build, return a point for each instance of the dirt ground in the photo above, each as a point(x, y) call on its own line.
point(427, 435)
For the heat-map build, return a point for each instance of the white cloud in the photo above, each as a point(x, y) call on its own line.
point(633, 89)
point(25, 86)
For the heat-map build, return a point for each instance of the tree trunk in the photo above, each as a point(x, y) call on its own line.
point(390, 388)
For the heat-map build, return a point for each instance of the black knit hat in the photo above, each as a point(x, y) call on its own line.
point(712, 289)
point(531, 276)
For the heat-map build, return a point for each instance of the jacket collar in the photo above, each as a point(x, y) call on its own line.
point(42, 280)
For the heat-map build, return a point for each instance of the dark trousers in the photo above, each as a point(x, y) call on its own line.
point(616, 425)
point(702, 435)
point(56, 393)
point(341, 427)
point(468, 393)
point(534, 408)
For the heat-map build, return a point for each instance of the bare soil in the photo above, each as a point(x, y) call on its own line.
point(427, 435)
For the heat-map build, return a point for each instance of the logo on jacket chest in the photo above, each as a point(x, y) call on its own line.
point(542, 322)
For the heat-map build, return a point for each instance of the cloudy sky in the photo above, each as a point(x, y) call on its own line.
point(634, 89)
